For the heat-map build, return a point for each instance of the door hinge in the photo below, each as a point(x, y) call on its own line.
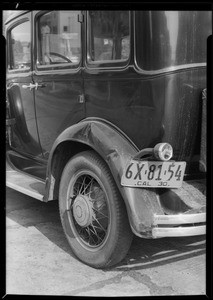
point(81, 98)
point(80, 18)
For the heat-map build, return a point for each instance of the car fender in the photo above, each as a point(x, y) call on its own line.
point(117, 150)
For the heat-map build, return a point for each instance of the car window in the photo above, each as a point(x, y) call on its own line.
point(20, 47)
point(59, 38)
point(108, 36)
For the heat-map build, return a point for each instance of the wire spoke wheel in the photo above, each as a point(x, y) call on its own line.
point(92, 211)
point(89, 213)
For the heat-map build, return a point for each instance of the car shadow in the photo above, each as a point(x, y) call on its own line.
point(143, 253)
point(152, 253)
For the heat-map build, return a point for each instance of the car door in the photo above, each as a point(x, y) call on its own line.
point(59, 97)
point(20, 91)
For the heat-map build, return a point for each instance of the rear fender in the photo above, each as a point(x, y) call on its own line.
point(116, 149)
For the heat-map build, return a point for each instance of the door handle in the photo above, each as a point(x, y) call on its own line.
point(30, 86)
point(33, 86)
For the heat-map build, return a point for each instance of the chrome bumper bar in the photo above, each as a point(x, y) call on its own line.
point(182, 225)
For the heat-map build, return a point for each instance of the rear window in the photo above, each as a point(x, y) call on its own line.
point(171, 38)
point(108, 37)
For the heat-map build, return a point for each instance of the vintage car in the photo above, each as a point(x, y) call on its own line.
point(106, 115)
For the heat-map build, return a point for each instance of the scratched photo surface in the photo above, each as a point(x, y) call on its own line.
point(106, 126)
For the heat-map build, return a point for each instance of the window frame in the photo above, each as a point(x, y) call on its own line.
point(53, 67)
point(14, 24)
point(105, 64)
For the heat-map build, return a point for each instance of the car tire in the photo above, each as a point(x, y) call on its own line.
point(92, 212)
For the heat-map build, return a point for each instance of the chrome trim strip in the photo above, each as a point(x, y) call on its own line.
point(178, 231)
point(179, 219)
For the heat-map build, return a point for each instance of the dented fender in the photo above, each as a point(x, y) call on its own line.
point(117, 150)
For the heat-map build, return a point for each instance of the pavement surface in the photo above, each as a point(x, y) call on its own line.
point(40, 262)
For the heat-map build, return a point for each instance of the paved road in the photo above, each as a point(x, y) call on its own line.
point(39, 260)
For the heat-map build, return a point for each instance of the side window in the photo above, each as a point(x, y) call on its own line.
point(59, 39)
point(20, 47)
point(108, 36)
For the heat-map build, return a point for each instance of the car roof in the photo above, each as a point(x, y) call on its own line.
point(15, 14)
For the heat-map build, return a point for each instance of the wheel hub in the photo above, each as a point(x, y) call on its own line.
point(82, 211)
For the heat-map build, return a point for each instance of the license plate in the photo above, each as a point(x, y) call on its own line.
point(154, 174)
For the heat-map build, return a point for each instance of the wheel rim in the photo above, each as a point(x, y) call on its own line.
point(89, 213)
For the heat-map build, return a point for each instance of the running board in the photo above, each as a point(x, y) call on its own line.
point(24, 183)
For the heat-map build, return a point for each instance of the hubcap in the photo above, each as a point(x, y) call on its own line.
point(82, 211)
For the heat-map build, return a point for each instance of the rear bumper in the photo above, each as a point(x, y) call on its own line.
point(179, 225)
point(157, 213)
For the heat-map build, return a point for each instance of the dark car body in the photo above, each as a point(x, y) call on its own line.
point(117, 108)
